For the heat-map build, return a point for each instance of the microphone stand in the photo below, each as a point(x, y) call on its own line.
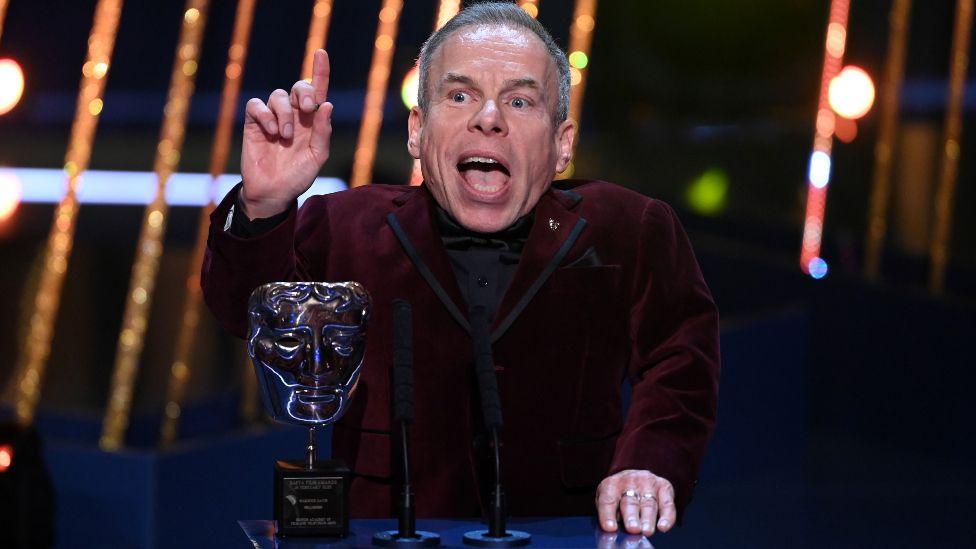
point(403, 413)
point(496, 535)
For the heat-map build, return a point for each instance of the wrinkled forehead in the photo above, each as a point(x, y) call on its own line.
point(495, 48)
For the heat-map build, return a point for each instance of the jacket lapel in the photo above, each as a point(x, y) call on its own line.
point(413, 226)
point(555, 230)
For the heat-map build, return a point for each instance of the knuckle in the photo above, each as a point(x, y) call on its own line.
point(606, 498)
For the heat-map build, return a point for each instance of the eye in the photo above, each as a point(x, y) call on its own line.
point(288, 345)
point(519, 103)
point(459, 97)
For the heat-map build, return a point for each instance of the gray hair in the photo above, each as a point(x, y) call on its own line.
point(495, 13)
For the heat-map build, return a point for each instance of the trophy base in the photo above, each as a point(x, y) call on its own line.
point(311, 501)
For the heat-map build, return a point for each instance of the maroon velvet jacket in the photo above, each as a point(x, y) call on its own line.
point(607, 287)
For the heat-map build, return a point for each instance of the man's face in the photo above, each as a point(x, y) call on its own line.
point(488, 145)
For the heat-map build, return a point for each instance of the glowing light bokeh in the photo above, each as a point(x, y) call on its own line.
point(530, 7)
point(6, 457)
point(11, 85)
point(851, 93)
point(819, 169)
point(578, 59)
point(846, 129)
point(817, 267)
point(11, 193)
point(708, 194)
point(410, 87)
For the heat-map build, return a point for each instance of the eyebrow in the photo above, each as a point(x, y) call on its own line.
point(512, 83)
point(455, 78)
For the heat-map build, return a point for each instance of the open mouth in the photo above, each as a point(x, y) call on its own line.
point(485, 174)
point(315, 396)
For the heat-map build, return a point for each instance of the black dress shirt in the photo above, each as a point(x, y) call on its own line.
point(484, 264)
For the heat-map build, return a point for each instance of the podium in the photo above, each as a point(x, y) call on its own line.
point(561, 532)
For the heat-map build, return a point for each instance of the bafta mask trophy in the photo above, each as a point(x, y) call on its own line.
point(307, 341)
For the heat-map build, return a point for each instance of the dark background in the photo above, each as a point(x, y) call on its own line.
point(846, 417)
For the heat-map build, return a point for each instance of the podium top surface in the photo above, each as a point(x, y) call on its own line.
point(562, 532)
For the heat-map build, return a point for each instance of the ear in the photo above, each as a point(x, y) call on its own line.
point(415, 126)
point(565, 136)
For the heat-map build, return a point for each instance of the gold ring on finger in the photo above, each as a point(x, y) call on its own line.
point(648, 495)
point(630, 493)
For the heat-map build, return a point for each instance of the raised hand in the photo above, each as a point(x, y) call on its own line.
point(286, 142)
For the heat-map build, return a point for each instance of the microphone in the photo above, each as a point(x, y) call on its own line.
point(491, 408)
point(403, 414)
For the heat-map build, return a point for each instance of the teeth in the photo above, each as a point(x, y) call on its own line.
point(482, 159)
point(486, 188)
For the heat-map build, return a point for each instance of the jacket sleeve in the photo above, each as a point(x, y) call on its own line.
point(233, 266)
point(674, 358)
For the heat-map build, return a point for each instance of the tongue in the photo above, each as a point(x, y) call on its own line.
point(487, 180)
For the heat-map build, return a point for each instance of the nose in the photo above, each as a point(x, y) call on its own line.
point(318, 359)
point(488, 120)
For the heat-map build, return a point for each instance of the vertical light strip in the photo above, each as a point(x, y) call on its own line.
point(379, 77)
point(445, 11)
point(26, 381)
point(530, 7)
point(580, 39)
point(888, 130)
point(186, 339)
point(150, 246)
point(945, 193)
point(3, 13)
point(818, 175)
point(318, 32)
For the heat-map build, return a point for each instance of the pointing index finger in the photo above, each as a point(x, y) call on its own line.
point(320, 75)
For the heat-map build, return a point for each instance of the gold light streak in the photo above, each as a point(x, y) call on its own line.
point(180, 370)
point(888, 129)
point(318, 31)
point(945, 193)
point(3, 13)
point(25, 386)
point(379, 77)
point(150, 246)
point(445, 11)
point(580, 40)
point(530, 7)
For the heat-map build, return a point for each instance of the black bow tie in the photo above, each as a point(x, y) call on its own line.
point(456, 237)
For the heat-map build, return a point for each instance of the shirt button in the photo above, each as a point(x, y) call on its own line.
point(482, 281)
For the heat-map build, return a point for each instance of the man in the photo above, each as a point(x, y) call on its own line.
point(586, 284)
